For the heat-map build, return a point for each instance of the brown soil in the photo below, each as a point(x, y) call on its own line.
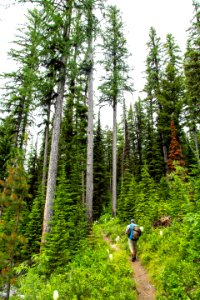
point(145, 289)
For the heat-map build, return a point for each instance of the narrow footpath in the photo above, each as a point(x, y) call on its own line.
point(145, 290)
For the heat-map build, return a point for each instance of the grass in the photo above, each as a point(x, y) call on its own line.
point(95, 273)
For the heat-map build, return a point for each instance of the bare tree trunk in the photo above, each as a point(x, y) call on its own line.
point(114, 162)
point(90, 141)
point(52, 172)
point(89, 177)
point(89, 174)
point(53, 162)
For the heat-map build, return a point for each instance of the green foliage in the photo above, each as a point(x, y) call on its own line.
point(6, 143)
point(12, 202)
point(77, 267)
point(170, 254)
point(116, 79)
point(33, 230)
point(139, 200)
point(101, 179)
point(95, 273)
point(167, 255)
point(180, 191)
point(126, 203)
point(68, 226)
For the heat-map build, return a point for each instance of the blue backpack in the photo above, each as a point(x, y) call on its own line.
point(134, 232)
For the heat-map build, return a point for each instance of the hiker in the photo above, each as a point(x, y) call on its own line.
point(133, 232)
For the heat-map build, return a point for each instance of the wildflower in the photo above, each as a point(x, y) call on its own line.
point(110, 256)
point(55, 295)
point(161, 233)
point(117, 239)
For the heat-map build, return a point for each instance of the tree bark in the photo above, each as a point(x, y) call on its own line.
point(90, 142)
point(89, 178)
point(90, 139)
point(53, 162)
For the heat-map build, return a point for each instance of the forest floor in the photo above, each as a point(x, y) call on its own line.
point(145, 290)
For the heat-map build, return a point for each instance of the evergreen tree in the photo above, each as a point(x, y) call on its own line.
point(60, 18)
point(7, 131)
point(21, 85)
point(73, 132)
point(139, 120)
point(68, 226)
point(90, 32)
point(126, 144)
point(116, 79)
point(127, 199)
point(33, 173)
point(101, 186)
point(33, 228)
point(107, 133)
point(12, 205)
point(146, 203)
point(192, 77)
point(155, 138)
point(172, 90)
point(133, 167)
point(175, 153)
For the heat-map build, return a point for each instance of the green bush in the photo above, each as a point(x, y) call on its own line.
point(95, 273)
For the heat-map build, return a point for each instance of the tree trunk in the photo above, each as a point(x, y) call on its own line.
point(114, 161)
point(53, 162)
point(89, 174)
point(89, 178)
point(90, 139)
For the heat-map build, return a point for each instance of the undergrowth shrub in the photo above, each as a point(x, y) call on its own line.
point(95, 273)
point(168, 255)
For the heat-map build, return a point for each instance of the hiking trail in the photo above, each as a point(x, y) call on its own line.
point(145, 290)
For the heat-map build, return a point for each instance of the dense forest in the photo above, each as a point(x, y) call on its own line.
point(59, 192)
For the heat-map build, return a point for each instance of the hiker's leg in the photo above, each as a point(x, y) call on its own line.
point(131, 246)
point(134, 248)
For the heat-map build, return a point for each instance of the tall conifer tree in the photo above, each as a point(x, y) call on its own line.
point(192, 79)
point(90, 32)
point(64, 19)
point(152, 104)
point(101, 179)
point(171, 90)
point(115, 80)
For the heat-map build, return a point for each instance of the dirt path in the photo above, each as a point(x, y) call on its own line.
point(145, 289)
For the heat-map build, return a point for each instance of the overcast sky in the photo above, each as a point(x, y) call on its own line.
point(166, 16)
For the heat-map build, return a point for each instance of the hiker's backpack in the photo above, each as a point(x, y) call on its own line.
point(134, 232)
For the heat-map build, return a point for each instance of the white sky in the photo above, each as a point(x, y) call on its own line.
point(166, 16)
